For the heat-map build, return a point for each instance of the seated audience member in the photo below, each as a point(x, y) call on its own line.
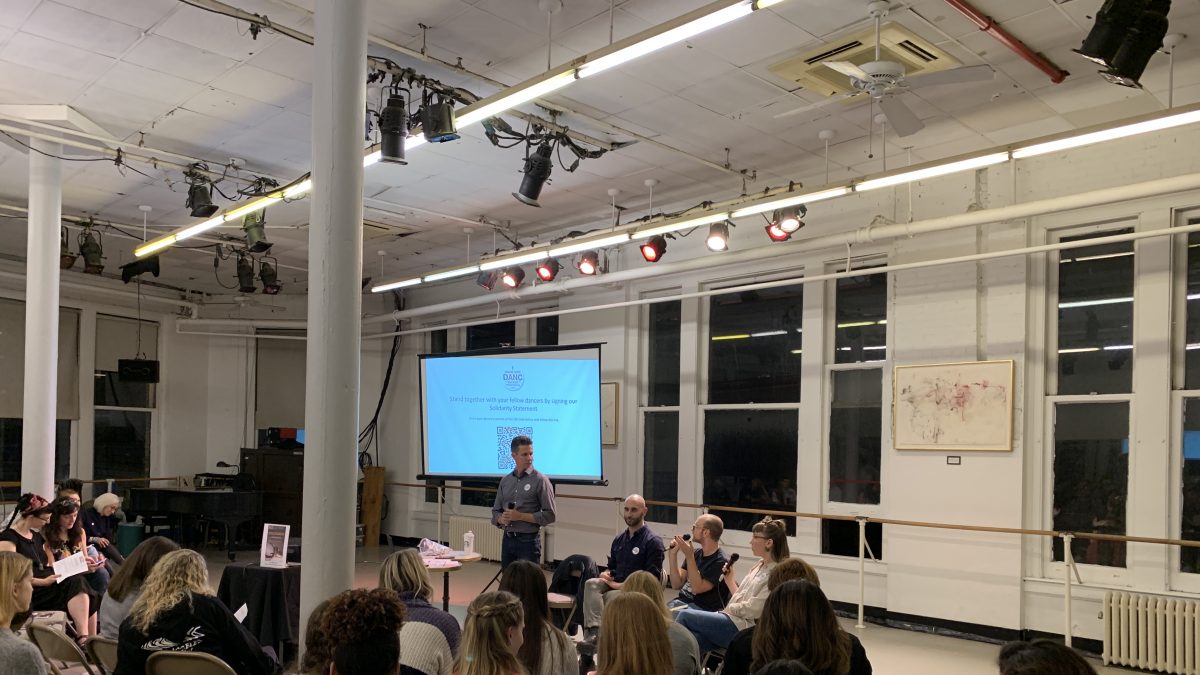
point(70, 486)
point(23, 536)
point(429, 638)
point(784, 667)
point(100, 523)
point(739, 652)
point(318, 647)
point(65, 537)
point(699, 578)
point(126, 584)
point(798, 623)
point(364, 628)
point(492, 635)
point(17, 656)
point(177, 612)
point(714, 630)
point(633, 638)
point(545, 650)
point(685, 653)
point(635, 548)
point(1041, 657)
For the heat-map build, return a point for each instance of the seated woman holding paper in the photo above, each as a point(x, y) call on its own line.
point(177, 612)
point(65, 536)
point(23, 536)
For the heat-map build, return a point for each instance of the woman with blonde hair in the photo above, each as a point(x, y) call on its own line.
point(633, 638)
point(126, 584)
point(492, 635)
point(715, 630)
point(429, 637)
point(177, 612)
point(17, 656)
point(685, 653)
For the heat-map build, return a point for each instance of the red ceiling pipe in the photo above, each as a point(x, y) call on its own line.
point(986, 24)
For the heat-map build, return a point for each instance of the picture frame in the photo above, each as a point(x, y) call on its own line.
point(610, 395)
point(963, 406)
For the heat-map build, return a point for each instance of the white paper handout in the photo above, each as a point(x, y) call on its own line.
point(274, 545)
point(240, 615)
point(70, 566)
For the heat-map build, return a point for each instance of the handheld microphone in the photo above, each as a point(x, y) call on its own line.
point(732, 559)
point(512, 505)
point(686, 537)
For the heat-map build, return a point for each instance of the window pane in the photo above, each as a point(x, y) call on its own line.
point(750, 462)
point(547, 330)
point(111, 391)
point(1191, 378)
point(662, 362)
point(1091, 471)
point(754, 346)
point(1189, 558)
point(122, 444)
point(492, 335)
point(1095, 318)
point(840, 537)
point(660, 465)
point(860, 333)
point(855, 436)
point(475, 497)
point(10, 449)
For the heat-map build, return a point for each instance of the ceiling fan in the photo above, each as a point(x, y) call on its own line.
point(882, 80)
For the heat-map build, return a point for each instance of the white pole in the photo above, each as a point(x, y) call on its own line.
point(41, 318)
point(862, 570)
point(1068, 564)
point(334, 302)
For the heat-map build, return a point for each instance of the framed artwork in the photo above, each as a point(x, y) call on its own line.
point(609, 405)
point(953, 406)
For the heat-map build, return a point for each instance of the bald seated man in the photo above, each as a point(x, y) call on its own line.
point(636, 548)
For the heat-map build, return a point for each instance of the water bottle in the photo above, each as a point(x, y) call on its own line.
point(469, 542)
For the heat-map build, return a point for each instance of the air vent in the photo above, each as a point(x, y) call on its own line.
point(897, 44)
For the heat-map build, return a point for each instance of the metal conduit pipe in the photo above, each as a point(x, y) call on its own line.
point(987, 25)
point(193, 308)
point(860, 235)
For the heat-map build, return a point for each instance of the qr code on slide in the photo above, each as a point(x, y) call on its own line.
point(504, 436)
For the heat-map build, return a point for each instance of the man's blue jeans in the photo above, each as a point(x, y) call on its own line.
point(713, 630)
point(520, 546)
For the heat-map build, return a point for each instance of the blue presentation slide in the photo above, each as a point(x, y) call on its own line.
point(475, 405)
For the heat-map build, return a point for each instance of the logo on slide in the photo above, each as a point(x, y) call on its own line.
point(513, 379)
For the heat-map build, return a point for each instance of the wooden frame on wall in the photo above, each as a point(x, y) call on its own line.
point(965, 406)
point(610, 398)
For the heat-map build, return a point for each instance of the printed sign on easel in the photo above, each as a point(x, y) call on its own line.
point(274, 545)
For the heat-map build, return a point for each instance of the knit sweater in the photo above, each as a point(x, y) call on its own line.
point(428, 638)
point(19, 657)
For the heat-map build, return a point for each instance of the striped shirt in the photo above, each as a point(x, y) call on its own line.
point(428, 638)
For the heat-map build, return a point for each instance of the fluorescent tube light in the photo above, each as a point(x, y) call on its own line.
point(739, 336)
point(156, 245)
point(681, 225)
point(256, 205)
point(791, 201)
point(1115, 348)
point(665, 39)
point(497, 263)
point(481, 110)
point(933, 171)
point(396, 284)
point(189, 232)
point(450, 274)
point(1078, 350)
point(769, 333)
point(1093, 303)
point(763, 4)
point(856, 324)
point(589, 244)
point(298, 189)
point(1114, 133)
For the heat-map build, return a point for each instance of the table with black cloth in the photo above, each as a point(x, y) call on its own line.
point(272, 599)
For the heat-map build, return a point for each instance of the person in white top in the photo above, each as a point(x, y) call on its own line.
point(714, 630)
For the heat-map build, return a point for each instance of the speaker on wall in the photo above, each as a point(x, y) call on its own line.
point(137, 370)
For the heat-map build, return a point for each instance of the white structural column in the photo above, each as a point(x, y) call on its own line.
point(334, 302)
point(41, 319)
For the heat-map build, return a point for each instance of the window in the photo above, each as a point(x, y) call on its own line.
point(860, 333)
point(1095, 317)
point(122, 444)
point(660, 446)
point(1190, 557)
point(475, 497)
point(491, 336)
point(547, 330)
point(855, 424)
point(750, 462)
point(1191, 378)
point(10, 449)
point(755, 339)
point(1091, 478)
point(840, 537)
point(124, 410)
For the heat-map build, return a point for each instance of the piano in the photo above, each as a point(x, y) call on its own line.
point(229, 507)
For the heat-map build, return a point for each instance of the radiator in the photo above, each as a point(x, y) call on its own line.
point(1152, 632)
point(487, 536)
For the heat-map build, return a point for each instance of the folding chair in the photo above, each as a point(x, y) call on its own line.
point(103, 650)
point(186, 663)
point(56, 646)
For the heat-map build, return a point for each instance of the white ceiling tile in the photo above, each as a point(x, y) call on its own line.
point(660, 11)
point(231, 107)
point(729, 93)
point(214, 33)
point(755, 37)
point(676, 67)
point(109, 104)
point(1084, 91)
point(1119, 109)
point(150, 84)
point(533, 63)
point(178, 59)
point(22, 84)
point(824, 17)
point(593, 34)
point(614, 92)
point(481, 37)
point(264, 86)
point(1018, 109)
point(16, 11)
point(288, 58)
point(80, 29)
point(189, 132)
point(142, 14)
point(54, 57)
point(1029, 130)
point(530, 14)
point(398, 20)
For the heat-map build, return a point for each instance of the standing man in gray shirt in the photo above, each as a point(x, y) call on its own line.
point(524, 504)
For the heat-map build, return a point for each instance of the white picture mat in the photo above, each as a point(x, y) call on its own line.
point(953, 406)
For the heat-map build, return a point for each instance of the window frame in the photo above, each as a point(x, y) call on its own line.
point(643, 393)
point(1178, 580)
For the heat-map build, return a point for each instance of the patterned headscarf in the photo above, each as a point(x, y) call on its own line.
point(36, 503)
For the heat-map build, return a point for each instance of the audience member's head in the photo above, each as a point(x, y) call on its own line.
point(790, 569)
point(70, 486)
point(798, 622)
point(711, 527)
point(404, 572)
point(1041, 657)
point(16, 587)
point(633, 638)
point(491, 636)
point(133, 573)
point(318, 646)
point(774, 536)
point(106, 504)
point(177, 576)
point(64, 528)
point(33, 510)
point(784, 667)
point(364, 628)
point(526, 580)
point(650, 586)
point(67, 493)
